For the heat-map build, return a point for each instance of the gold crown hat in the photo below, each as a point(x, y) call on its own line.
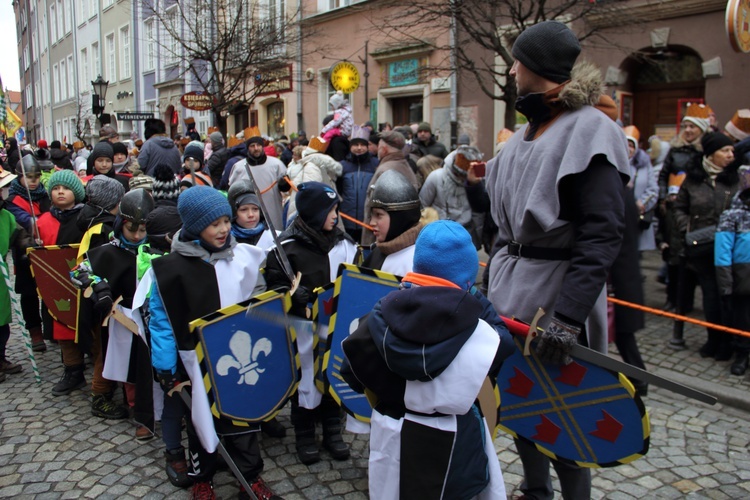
point(189, 120)
point(233, 141)
point(739, 126)
point(318, 144)
point(251, 132)
point(699, 115)
point(185, 141)
point(360, 133)
point(211, 130)
point(78, 145)
point(632, 134)
point(6, 177)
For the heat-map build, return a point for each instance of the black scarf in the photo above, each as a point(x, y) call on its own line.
point(253, 161)
point(36, 194)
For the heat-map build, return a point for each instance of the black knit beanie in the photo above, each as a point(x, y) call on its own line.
point(314, 201)
point(714, 141)
point(120, 148)
point(549, 49)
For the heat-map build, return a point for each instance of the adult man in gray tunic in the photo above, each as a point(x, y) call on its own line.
point(556, 193)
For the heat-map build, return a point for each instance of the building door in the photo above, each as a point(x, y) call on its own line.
point(659, 79)
point(406, 109)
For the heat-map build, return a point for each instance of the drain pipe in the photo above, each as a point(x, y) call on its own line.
point(300, 120)
point(454, 78)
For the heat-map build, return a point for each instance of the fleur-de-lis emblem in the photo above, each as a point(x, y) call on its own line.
point(244, 357)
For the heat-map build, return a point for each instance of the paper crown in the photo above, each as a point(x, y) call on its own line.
point(318, 144)
point(504, 135)
point(695, 110)
point(251, 132)
point(189, 120)
point(138, 143)
point(185, 141)
point(675, 181)
point(739, 126)
point(360, 133)
point(632, 134)
point(211, 130)
point(78, 145)
point(233, 141)
point(6, 177)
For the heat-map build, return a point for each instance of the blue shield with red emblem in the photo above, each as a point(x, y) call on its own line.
point(579, 413)
point(356, 292)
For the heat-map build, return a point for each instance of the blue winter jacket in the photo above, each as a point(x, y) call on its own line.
point(732, 247)
point(352, 185)
point(236, 153)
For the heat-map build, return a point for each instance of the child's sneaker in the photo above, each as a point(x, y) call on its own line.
point(260, 490)
point(203, 490)
point(8, 367)
point(177, 468)
point(104, 407)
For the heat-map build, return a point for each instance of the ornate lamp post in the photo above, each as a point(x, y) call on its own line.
point(98, 100)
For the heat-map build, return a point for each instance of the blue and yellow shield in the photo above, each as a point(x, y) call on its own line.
point(355, 293)
point(249, 360)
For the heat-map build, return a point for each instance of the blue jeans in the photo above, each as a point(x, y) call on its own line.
point(171, 421)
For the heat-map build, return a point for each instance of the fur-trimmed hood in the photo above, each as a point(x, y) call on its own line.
point(586, 88)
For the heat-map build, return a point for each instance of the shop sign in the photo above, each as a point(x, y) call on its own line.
point(197, 101)
point(405, 72)
point(345, 77)
point(275, 81)
point(136, 117)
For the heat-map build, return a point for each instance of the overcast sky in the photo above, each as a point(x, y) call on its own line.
point(9, 59)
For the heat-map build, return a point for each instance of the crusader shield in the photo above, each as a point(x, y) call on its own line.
point(356, 292)
point(580, 413)
point(51, 267)
point(250, 361)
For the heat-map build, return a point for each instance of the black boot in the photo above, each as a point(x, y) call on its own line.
point(725, 349)
point(103, 406)
point(332, 439)
point(273, 428)
point(708, 350)
point(307, 448)
point(71, 380)
point(739, 367)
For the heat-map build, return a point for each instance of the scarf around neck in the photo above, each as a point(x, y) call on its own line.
point(711, 169)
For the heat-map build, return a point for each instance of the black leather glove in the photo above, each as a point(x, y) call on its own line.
point(102, 297)
point(557, 341)
point(167, 379)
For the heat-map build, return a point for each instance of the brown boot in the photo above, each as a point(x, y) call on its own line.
point(37, 340)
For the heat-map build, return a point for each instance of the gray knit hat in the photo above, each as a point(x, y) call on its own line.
point(549, 49)
point(104, 192)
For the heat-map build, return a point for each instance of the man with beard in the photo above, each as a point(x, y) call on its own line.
point(266, 172)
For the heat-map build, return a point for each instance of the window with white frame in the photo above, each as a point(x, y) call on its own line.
point(107, 3)
point(34, 47)
point(111, 57)
point(172, 56)
point(71, 78)
point(83, 11)
point(96, 64)
point(68, 17)
point(26, 57)
point(56, 77)
point(29, 98)
point(63, 81)
point(37, 95)
point(47, 89)
point(58, 129)
point(43, 30)
point(149, 56)
point(52, 24)
point(64, 136)
point(84, 66)
point(94, 8)
point(125, 52)
point(60, 21)
point(326, 5)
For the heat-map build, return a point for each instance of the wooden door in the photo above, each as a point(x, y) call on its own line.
point(656, 105)
point(406, 110)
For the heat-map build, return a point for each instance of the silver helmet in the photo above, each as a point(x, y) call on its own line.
point(135, 206)
point(28, 165)
point(393, 192)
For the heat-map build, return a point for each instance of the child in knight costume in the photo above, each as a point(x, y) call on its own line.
point(429, 438)
point(248, 224)
point(315, 247)
point(395, 218)
point(28, 200)
point(59, 227)
point(112, 270)
point(205, 271)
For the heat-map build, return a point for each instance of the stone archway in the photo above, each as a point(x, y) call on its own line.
point(658, 78)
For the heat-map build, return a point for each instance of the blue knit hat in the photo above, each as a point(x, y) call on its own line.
point(199, 206)
point(444, 249)
point(314, 201)
point(70, 180)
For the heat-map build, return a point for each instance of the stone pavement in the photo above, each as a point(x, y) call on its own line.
point(53, 448)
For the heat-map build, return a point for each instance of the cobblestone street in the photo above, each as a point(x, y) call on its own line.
point(52, 447)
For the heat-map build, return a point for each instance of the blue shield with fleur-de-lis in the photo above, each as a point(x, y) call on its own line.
point(249, 358)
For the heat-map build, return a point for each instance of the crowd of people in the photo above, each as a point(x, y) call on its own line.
point(555, 210)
